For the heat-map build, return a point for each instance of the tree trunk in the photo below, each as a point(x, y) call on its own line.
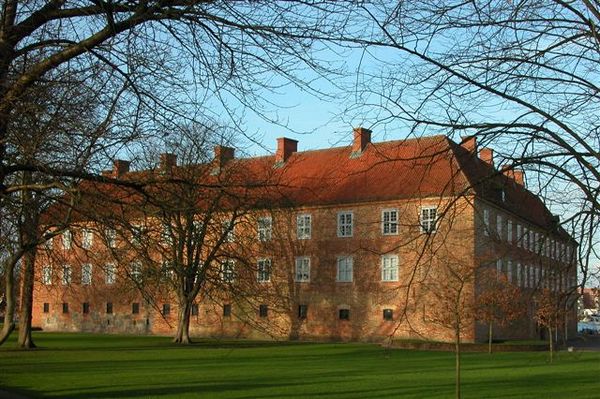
point(551, 344)
point(490, 333)
point(28, 241)
point(25, 340)
point(457, 358)
point(9, 314)
point(183, 323)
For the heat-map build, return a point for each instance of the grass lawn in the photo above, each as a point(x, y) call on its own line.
point(101, 366)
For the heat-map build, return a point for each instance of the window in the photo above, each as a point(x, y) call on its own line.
point(344, 314)
point(526, 238)
point(536, 242)
point(135, 308)
point(87, 238)
point(389, 268)
point(166, 309)
point(264, 270)
point(303, 226)
point(111, 272)
point(194, 309)
point(86, 308)
point(227, 310)
point(111, 238)
point(344, 269)
point(498, 267)
point(509, 231)
point(66, 275)
point(109, 307)
point(67, 239)
point(486, 221)
point(166, 270)
point(302, 311)
point(137, 234)
point(509, 271)
point(265, 229)
point(389, 221)
point(302, 269)
point(46, 307)
point(166, 234)
point(388, 314)
point(519, 236)
point(263, 310)
point(344, 224)
point(499, 226)
point(428, 219)
point(65, 307)
point(228, 271)
point(136, 271)
point(86, 274)
point(47, 275)
point(519, 275)
point(228, 230)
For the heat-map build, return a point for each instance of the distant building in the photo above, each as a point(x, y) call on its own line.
point(352, 248)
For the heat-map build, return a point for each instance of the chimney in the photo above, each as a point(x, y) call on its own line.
point(120, 167)
point(469, 143)
point(516, 174)
point(487, 155)
point(167, 162)
point(223, 154)
point(519, 176)
point(285, 148)
point(362, 137)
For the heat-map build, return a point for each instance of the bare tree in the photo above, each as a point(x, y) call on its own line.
point(521, 75)
point(185, 236)
point(499, 302)
point(144, 65)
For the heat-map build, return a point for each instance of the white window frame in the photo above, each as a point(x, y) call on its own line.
point(228, 227)
point(304, 226)
point(345, 224)
point(486, 222)
point(499, 266)
point(67, 275)
point(137, 234)
point(110, 276)
point(302, 269)
point(509, 230)
point(264, 228)
point(519, 275)
point(389, 222)
point(500, 226)
point(427, 222)
point(263, 270)
point(67, 239)
point(509, 271)
point(389, 268)
point(87, 238)
point(135, 270)
point(519, 235)
point(344, 269)
point(227, 271)
point(166, 269)
point(86, 274)
point(111, 237)
point(47, 275)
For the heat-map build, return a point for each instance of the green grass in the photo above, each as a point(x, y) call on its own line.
point(99, 366)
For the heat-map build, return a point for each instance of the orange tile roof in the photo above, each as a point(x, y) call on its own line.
point(414, 168)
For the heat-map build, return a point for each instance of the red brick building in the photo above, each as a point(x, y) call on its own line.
point(356, 243)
